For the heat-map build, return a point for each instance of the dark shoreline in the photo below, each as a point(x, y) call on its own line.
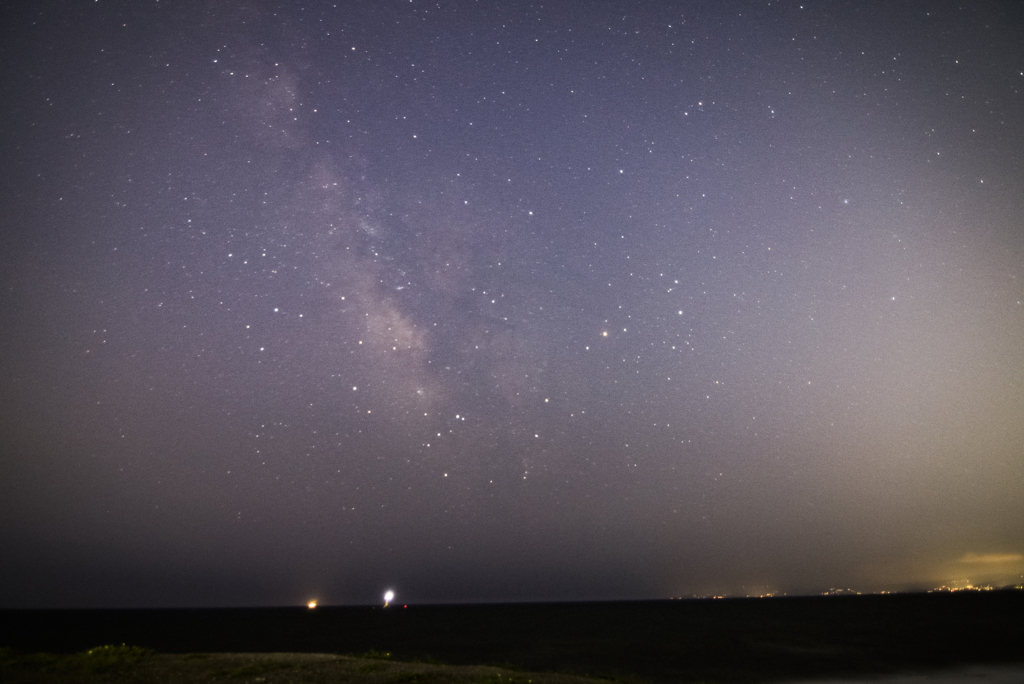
point(660, 641)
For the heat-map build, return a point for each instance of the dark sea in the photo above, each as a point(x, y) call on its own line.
point(910, 638)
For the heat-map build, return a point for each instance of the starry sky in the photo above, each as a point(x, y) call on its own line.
point(508, 301)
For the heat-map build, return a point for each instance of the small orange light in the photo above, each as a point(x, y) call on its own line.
point(311, 605)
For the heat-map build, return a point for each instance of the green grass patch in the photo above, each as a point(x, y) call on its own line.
point(109, 657)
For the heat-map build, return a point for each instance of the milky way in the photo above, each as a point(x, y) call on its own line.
point(509, 303)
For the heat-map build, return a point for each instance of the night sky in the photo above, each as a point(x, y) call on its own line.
point(508, 301)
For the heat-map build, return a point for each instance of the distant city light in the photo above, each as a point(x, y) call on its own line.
point(311, 605)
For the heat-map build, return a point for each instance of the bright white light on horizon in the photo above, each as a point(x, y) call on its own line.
point(311, 605)
point(388, 596)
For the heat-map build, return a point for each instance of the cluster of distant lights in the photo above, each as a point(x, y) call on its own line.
point(389, 595)
point(852, 592)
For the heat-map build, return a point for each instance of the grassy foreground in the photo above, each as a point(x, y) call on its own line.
point(109, 664)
